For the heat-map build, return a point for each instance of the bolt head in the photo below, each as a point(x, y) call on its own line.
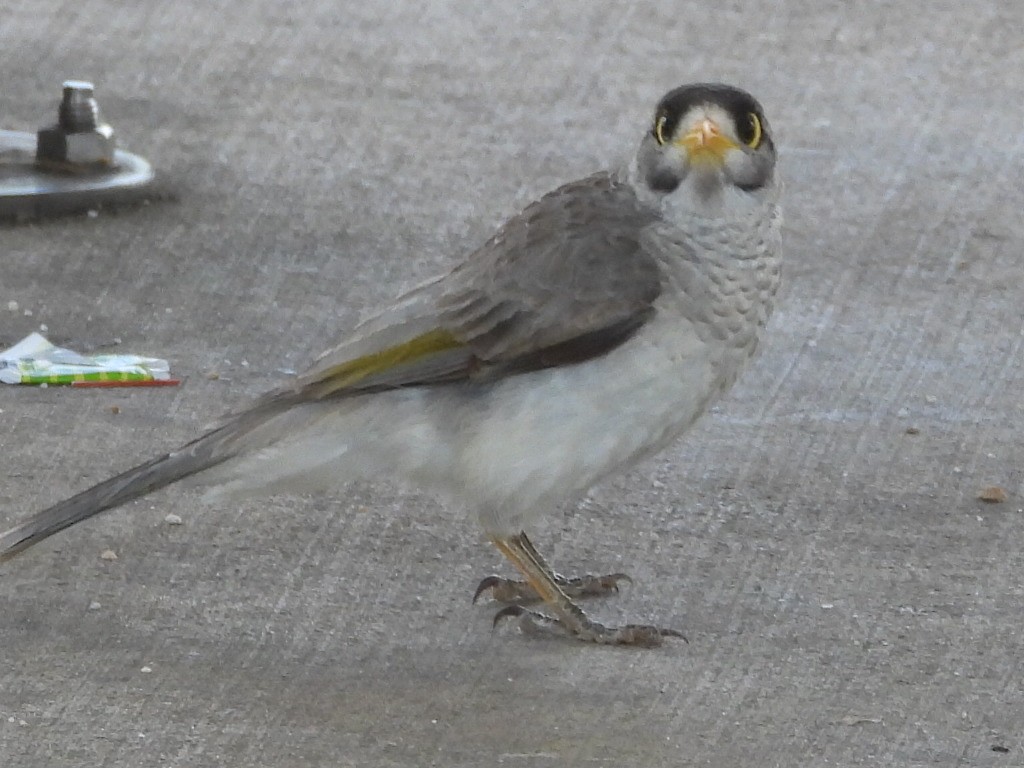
point(95, 147)
point(81, 87)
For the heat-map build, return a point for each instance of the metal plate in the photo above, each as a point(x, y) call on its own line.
point(29, 191)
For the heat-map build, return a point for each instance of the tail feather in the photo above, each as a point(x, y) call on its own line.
point(198, 455)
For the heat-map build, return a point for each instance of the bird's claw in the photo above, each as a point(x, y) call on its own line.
point(513, 591)
point(639, 635)
point(645, 635)
point(508, 612)
point(489, 582)
point(596, 586)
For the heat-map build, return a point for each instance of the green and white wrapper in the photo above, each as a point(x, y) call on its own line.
point(35, 360)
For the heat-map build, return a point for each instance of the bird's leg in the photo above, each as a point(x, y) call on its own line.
point(517, 591)
point(568, 617)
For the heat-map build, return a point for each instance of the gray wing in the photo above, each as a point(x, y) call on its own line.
point(564, 281)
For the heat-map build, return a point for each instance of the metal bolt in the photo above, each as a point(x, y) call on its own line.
point(78, 109)
point(80, 137)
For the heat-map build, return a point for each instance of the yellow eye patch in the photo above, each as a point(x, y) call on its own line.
point(659, 129)
point(755, 125)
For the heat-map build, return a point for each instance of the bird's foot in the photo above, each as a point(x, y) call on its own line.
point(514, 591)
point(582, 628)
point(568, 619)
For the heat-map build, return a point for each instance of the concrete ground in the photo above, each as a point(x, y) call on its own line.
point(848, 599)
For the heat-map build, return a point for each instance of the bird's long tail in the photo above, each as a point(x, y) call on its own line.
point(200, 454)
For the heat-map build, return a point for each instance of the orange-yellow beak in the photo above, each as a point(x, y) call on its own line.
point(705, 143)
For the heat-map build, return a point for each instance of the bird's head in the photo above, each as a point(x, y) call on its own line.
point(707, 137)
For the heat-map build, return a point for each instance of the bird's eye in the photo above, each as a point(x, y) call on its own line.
point(750, 130)
point(659, 129)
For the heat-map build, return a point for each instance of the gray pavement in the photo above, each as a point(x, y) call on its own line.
point(847, 598)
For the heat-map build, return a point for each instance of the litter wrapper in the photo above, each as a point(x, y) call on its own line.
point(35, 360)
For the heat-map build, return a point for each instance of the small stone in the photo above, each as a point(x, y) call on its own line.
point(92, 214)
point(115, 409)
point(108, 554)
point(95, 606)
point(146, 670)
point(993, 494)
point(913, 431)
point(173, 519)
point(213, 375)
point(12, 306)
point(859, 720)
point(43, 327)
point(27, 313)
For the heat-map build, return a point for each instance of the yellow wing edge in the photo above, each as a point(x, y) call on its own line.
point(350, 373)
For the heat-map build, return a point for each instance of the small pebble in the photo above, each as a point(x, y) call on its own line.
point(115, 409)
point(43, 327)
point(913, 431)
point(94, 606)
point(213, 375)
point(92, 214)
point(27, 313)
point(146, 670)
point(108, 554)
point(173, 519)
point(993, 494)
point(12, 306)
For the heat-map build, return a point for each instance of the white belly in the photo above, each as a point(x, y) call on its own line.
point(539, 438)
point(508, 450)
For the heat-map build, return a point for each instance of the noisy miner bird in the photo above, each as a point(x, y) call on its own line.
point(590, 331)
